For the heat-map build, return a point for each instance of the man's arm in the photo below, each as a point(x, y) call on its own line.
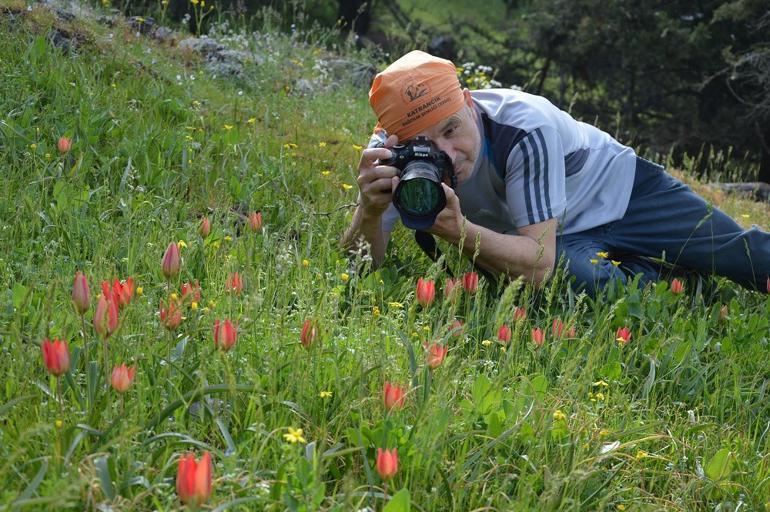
point(376, 184)
point(366, 228)
point(530, 254)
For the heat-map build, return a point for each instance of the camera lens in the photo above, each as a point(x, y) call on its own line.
point(420, 193)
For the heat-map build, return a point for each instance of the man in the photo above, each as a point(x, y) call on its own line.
point(534, 185)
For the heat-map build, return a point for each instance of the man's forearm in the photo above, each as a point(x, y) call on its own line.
point(513, 255)
point(368, 228)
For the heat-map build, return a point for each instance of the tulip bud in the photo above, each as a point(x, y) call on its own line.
point(426, 291)
point(450, 285)
point(170, 316)
point(456, 328)
point(393, 396)
point(436, 355)
point(56, 356)
point(387, 463)
point(81, 295)
point(105, 317)
point(538, 337)
point(519, 314)
point(557, 327)
point(623, 335)
point(234, 283)
point(204, 228)
point(504, 334)
point(64, 144)
point(309, 333)
point(724, 312)
point(225, 334)
point(193, 479)
point(171, 261)
point(191, 292)
point(471, 282)
point(676, 286)
point(122, 377)
point(255, 221)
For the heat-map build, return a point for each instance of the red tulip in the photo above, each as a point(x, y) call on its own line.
point(309, 333)
point(122, 377)
point(538, 337)
point(768, 285)
point(204, 228)
point(426, 291)
point(519, 314)
point(170, 316)
point(234, 283)
point(191, 292)
point(255, 221)
point(457, 328)
point(193, 479)
point(56, 356)
point(471, 282)
point(106, 316)
point(623, 335)
point(225, 334)
point(676, 286)
point(557, 327)
point(64, 144)
point(121, 292)
point(436, 355)
point(393, 396)
point(450, 285)
point(171, 261)
point(387, 463)
point(504, 334)
point(81, 295)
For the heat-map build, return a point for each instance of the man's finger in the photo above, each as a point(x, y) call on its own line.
point(371, 155)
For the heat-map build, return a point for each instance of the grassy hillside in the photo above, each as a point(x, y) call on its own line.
point(675, 419)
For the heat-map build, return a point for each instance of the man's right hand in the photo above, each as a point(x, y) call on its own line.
point(377, 182)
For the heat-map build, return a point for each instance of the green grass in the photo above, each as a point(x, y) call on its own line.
point(677, 419)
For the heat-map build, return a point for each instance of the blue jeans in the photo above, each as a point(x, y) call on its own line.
point(665, 219)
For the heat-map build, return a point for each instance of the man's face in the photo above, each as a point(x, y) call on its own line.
point(459, 137)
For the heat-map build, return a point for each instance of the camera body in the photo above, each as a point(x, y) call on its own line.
point(419, 196)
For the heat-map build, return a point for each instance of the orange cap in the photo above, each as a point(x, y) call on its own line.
point(415, 92)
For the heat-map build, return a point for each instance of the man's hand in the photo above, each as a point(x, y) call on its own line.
point(377, 182)
point(449, 222)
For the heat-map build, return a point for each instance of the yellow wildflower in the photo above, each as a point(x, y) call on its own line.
point(346, 187)
point(604, 432)
point(33, 146)
point(426, 328)
point(375, 311)
point(48, 156)
point(228, 238)
point(641, 454)
point(558, 415)
point(345, 277)
point(322, 144)
point(59, 423)
point(194, 305)
point(615, 262)
point(194, 2)
point(396, 305)
point(325, 394)
point(357, 147)
point(228, 127)
point(212, 304)
point(599, 396)
point(305, 263)
point(139, 291)
point(620, 507)
point(486, 343)
point(295, 436)
point(745, 215)
point(182, 244)
point(603, 254)
point(601, 384)
point(289, 145)
point(174, 296)
point(252, 120)
point(325, 173)
point(594, 261)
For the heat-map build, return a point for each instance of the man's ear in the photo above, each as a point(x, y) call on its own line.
point(467, 97)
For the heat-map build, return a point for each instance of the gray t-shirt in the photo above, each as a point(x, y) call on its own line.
point(537, 163)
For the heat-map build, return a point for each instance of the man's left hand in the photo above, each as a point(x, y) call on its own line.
point(450, 220)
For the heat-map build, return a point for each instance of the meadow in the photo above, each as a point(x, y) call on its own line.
point(204, 213)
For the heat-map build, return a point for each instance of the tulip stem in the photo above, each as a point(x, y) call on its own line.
point(85, 340)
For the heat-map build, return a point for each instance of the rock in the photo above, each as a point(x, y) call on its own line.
point(360, 74)
point(442, 46)
point(219, 59)
point(162, 33)
point(142, 25)
point(758, 190)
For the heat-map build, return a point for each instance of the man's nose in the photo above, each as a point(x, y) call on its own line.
point(447, 148)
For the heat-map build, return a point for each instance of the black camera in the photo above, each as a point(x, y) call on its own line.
point(419, 196)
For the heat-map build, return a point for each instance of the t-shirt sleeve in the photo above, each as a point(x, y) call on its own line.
point(390, 216)
point(534, 178)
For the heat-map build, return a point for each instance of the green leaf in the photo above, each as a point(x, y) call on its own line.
point(539, 387)
point(719, 466)
point(18, 294)
point(611, 370)
point(399, 502)
point(103, 470)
